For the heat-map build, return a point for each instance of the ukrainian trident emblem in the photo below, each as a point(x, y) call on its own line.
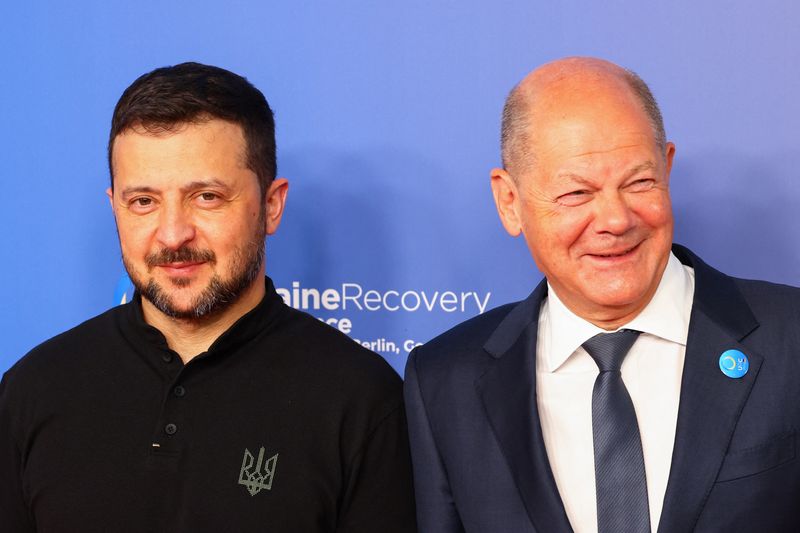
point(259, 477)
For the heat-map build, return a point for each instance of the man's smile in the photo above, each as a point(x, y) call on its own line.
point(184, 268)
point(615, 255)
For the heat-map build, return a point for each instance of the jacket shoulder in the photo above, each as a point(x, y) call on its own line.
point(776, 308)
point(741, 301)
point(472, 332)
point(461, 346)
point(768, 294)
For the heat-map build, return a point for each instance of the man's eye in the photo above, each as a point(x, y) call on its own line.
point(574, 198)
point(141, 205)
point(208, 196)
point(641, 184)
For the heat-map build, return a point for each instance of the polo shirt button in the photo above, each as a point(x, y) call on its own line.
point(170, 429)
point(179, 391)
point(166, 357)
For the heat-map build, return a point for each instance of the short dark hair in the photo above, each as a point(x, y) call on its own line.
point(168, 97)
point(515, 121)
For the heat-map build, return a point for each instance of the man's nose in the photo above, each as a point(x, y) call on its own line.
point(175, 227)
point(612, 214)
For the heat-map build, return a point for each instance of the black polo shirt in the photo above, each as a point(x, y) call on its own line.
point(283, 425)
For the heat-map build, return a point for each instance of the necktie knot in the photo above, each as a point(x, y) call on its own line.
point(609, 349)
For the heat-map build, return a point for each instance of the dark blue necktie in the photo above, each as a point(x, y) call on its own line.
point(618, 460)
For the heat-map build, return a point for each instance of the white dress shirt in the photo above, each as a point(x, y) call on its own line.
point(652, 370)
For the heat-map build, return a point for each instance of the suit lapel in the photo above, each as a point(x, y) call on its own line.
point(710, 403)
point(508, 392)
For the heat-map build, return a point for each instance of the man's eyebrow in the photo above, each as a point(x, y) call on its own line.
point(647, 165)
point(189, 187)
point(127, 192)
point(204, 184)
point(574, 177)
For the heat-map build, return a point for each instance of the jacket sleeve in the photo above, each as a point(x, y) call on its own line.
point(14, 515)
point(436, 510)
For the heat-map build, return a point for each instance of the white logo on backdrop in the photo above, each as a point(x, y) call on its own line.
point(353, 297)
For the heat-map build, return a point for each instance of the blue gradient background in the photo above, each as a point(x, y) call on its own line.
point(387, 117)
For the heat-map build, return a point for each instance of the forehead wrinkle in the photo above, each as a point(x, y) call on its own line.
point(608, 151)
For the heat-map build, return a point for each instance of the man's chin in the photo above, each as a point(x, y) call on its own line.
point(180, 309)
point(189, 302)
point(174, 309)
point(621, 299)
point(180, 282)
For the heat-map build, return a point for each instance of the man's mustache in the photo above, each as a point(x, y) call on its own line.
point(183, 254)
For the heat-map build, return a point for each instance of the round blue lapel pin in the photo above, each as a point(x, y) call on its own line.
point(734, 363)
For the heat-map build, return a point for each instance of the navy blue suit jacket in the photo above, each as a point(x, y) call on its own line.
point(480, 463)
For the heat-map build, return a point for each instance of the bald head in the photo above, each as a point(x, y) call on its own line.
point(551, 88)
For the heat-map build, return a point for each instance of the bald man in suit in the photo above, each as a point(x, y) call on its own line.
point(510, 420)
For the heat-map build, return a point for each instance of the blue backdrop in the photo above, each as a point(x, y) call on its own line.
point(387, 116)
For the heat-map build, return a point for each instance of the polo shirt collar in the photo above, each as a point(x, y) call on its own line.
point(256, 321)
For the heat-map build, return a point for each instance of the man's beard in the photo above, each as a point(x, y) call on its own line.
point(218, 295)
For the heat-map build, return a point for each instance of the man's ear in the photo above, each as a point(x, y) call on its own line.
point(506, 195)
point(275, 202)
point(110, 195)
point(668, 156)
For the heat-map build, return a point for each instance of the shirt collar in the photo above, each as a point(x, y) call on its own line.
point(666, 316)
point(256, 321)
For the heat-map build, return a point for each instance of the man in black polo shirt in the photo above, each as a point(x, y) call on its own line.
point(205, 404)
